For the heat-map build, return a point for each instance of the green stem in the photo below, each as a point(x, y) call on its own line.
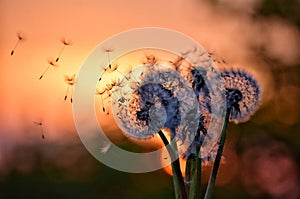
point(192, 179)
point(179, 187)
point(188, 168)
point(193, 173)
point(212, 180)
point(199, 176)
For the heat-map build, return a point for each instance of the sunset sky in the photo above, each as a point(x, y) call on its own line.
point(25, 98)
point(267, 46)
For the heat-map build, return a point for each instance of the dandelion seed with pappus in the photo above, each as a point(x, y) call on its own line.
point(70, 80)
point(65, 43)
point(101, 92)
point(108, 50)
point(52, 63)
point(20, 38)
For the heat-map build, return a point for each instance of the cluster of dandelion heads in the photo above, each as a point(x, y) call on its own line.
point(243, 94)
point(207, 86)
point(206, 83)
point(180, 93)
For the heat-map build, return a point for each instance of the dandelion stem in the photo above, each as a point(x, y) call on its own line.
point(212, 180)
point(187, 177)
point(192, 178)
point(179, 187)
point(193, 174)
point(199, 174)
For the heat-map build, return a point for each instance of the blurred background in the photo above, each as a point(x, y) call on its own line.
point(41, 155)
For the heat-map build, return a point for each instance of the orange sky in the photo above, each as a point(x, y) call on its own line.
point(87, 23)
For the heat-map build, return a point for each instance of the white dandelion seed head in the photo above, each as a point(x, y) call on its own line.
point(126, 111)
point(249, 89)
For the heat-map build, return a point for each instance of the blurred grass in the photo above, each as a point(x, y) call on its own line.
point(48, 180)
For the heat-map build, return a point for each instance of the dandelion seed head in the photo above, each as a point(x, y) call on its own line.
point(166, 99)
point(161, 99)
point(243, 94)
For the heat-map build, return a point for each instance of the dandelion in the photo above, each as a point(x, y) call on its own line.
point(150, 59)
point(166, 98)
point(243, 94)
point(101, 76)
point(161, 99)
point(193, 160)
point(150, 94)
point(204, 104)
point(50, 63)
point(65, 43)
point(20, 38)
point(108, 50)
point(115, 68)
point(101, 92)
point(147, 105)
point(106, 147)
point(40, 124)
point(70, 80)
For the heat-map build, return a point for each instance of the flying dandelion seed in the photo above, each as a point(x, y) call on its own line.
point(108, 50)
point(101, 92)
point(129, 74)
point(150, 59)
point(50, 63)
point(243, 94)
point(106, 147)
point(20, 38)
point(70, 80)
point(40, 124)
point(65, 43)
point(116, 84)
point(115, 68)
point(104, 71)
point(176, 63)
